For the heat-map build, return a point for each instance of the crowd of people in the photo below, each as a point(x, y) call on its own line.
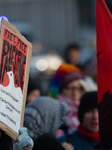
point(67, 117)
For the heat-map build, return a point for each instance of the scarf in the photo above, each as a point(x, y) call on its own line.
point(72, 118)
point(94, 137)
point(44, 115)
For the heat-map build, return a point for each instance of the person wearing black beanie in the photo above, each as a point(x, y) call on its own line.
point(87, 134)
point(47, 141)
point(87, 102)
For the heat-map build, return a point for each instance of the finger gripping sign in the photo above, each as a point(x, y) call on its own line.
point(15, 56)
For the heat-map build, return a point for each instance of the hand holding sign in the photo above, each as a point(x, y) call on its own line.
point(23, 140)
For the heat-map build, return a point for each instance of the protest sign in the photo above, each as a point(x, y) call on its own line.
point(15, 56)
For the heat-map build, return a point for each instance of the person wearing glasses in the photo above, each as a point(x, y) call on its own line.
point(68, 85)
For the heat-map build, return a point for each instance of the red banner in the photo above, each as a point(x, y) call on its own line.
point(104, 70)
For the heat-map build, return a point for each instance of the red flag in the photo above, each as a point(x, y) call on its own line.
point(104, 70)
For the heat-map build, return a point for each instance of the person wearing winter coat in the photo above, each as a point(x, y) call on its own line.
point(68, 85)
point(87, 134)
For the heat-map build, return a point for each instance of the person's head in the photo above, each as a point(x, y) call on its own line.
point(33, 92)
point(73, 85)
point(72, 54)
point(68, 81)
point(44, 115)
point(47, 142)
point(88, 112)
point(32, 95)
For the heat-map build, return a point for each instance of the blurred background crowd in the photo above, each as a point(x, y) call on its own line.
point(52, 26)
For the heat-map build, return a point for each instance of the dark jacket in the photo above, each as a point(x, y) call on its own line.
point(6, 142)
point(78, 141)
